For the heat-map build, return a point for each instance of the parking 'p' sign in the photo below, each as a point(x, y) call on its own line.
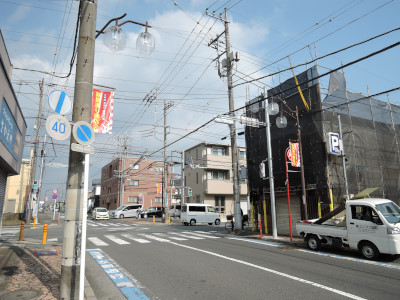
point(60, 102)
point(58, 127)
point(83, 133)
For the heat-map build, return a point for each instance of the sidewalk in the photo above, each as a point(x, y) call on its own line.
point(29, 269)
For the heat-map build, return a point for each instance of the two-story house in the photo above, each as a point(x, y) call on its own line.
point(208, 174)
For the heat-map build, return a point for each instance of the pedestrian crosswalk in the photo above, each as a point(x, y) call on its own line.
point(144, 238)
point(102, 224)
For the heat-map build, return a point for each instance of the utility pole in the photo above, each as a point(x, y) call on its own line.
point(232, 127)
point(183, 177)
point(35, 150)
point(43, 155)
point(165, 185)
point(70, 263)
point(123, 171)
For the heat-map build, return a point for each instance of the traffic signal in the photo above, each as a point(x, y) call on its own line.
point(190, 192)
point(35, 184)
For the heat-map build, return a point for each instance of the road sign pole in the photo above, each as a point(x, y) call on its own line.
point(84, 222)
point(82, 107)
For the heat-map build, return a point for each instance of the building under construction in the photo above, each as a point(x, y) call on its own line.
point(370, 143)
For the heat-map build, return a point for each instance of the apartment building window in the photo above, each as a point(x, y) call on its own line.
point(133, 182)
point(197, 178)
point(218, 151)
point(158, 200)
point(133, 199)
point(134, 167)
point(220, 204)
point(217, 175)
point(110, 173)
point(242, 155)
point(109, 190)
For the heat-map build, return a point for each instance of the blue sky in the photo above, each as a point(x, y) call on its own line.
point(39, 36)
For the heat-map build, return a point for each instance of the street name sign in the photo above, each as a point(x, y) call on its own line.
point(82, 148)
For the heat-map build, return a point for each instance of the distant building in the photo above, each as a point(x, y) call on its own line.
point(208, 173)
point(12, 126)
point(130, 180)
point(18, 189)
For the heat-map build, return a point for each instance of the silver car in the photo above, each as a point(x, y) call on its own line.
point(100, 213)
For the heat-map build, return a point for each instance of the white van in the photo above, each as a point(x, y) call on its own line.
point(126, 211)
point(193, 213)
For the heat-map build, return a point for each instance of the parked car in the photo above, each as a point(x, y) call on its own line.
point(152, 211)
point(126, 211)
point(175, 210)
point(193, 213)
point(100, 213)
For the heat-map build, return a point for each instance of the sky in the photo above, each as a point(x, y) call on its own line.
point(182, 71)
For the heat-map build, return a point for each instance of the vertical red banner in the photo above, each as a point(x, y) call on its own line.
point(295, 154)
point(102, 111)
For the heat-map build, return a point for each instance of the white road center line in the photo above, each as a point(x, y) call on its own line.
point(305, 281)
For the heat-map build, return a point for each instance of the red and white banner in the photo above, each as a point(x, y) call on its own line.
point(294, 154)
point(102, 111)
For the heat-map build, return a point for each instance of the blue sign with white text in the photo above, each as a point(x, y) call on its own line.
point(10, 135)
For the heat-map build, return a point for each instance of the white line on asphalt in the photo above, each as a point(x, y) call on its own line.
point(116, 240)
point(203, 232)
point(324, 287)
point(154, 237)
point(188, 236)
point(172, 237)
point(97, 241)
point(201, 235)
point(256, 242)
point(131, 237)
point(376, 263)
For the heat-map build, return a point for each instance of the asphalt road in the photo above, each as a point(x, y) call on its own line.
point(146, 261)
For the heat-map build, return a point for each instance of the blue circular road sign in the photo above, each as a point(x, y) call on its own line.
point(83, 133)
point(54, 196)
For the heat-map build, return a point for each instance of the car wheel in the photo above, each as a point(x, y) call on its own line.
point(313, 242)
point(369, 250)
point(192, 222)
point(121, 216)
point(217, 221)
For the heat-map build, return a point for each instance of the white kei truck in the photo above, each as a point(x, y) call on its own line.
point(370, 225)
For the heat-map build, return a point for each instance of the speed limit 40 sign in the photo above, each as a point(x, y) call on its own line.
point(58, 127)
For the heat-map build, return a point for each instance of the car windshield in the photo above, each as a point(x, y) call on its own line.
point(390, 211)
point(150, 209)
point(102, 210)
point(121, 207)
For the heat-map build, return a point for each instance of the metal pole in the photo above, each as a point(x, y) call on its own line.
point(346, 187)
point(183, 178)
point(165, 187)
point(271, 174)
point(303, 184)
point(41, 174)
point(82, 108)
point(288, 193)
point(232, 127)
point(84, 222)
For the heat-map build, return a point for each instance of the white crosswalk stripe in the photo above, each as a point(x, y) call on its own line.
point(117, 240)
point(202, 235)
point(131, 237)
point(144, 238)
point(188, 236)
point(173, 237)
point(97, 241)
point(152, 237)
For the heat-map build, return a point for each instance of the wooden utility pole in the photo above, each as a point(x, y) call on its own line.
point(82, 108)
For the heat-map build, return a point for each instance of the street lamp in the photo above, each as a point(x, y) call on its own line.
point(115, 38)
point(271, 109)
point(281, 122)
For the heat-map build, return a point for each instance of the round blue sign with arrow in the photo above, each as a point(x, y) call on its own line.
point(83, 133)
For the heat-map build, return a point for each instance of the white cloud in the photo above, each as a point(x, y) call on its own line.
point(20, 13)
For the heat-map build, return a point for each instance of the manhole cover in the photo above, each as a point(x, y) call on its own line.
point(20, 294)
